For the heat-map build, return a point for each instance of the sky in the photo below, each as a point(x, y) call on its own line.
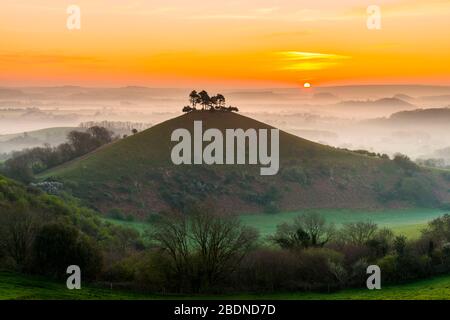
point(252, 43)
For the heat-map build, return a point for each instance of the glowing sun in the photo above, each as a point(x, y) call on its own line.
point(307, 85)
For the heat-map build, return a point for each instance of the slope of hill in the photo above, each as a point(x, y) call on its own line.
point(14, 195)
point(136, 175)
point(416, 118)
point(36, 138)
point(384, 102)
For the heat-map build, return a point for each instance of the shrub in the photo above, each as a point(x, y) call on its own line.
point(405, 163)
point(58, 246)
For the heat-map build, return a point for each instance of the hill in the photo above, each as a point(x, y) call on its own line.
point(434, 117)
point(380, 103)
point(135, 175)
point(36, 138)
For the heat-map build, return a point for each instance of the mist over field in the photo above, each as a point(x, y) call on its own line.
point(409, 119)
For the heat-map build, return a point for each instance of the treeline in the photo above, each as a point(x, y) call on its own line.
point(127, 126)
point(44, 234)
point(207, 252)
point(207, 102)
point(211, 253)
point(23, 165)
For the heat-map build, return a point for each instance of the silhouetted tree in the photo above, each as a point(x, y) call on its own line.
point(187, 109)
point(58, 245)
point(101, 134)
point(220, 100)
point(194, 98)
point(205, 100)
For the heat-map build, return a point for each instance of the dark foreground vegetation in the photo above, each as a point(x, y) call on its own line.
point(207, 252)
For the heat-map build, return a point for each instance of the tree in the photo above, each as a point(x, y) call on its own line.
point(18, 228)
point(307, 230)
point(213, 104)
point(81, 142)
point(220, 100)
point(438, 230)
point(220, 241)
point(58, 246)
point(204, 246)
point(187, 109)
point(405, 163)
point(205, 100)
point(101, 135)
point(194, 98)
point(400, 245)
point(358, 233)
point(19, 168)
point(171, 235)
point(134, 131)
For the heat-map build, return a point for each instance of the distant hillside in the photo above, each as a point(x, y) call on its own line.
point(433, 116)
point(424, 115)
point(384, 102)
point(37, 138)
point(136, 175)
point(404, 97)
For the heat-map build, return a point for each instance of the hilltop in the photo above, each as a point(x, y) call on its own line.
point(135, 175)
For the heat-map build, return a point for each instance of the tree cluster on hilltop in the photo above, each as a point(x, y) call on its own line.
point(210, 103)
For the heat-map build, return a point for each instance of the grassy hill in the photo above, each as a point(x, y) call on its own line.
point(136, 176)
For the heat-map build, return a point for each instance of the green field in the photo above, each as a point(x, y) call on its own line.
point(407, 222)
point(21, 287)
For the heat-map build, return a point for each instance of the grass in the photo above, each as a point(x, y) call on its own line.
point(407, 222)
point(437, 288)
point(20, 287)
point(13, 286)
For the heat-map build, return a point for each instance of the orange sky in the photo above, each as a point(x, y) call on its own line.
point(252, 43)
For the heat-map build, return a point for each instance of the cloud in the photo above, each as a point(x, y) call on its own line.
point(300, 60)
point(225, 17)
point(32, 58)
point(266, 10)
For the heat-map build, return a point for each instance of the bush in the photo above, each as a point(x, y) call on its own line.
point(322, 269)
point(405, 163)
point(58, 246)
point(265, 269)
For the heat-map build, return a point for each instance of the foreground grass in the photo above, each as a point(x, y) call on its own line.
point(19, 287)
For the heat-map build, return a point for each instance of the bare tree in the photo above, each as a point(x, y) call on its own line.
point(307, 230)
point(220, 241)
point(204, 246)
point(171, 235)
point(358, 232)
point(18, 229)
